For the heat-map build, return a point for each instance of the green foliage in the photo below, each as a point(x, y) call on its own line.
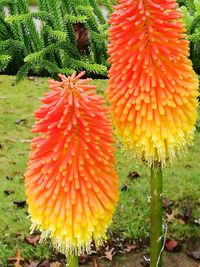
point(191, 11)
point(72, 37)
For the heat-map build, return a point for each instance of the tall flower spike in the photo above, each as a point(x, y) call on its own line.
point(71, 183)
point(152, 87)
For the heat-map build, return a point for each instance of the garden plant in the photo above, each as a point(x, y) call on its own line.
point(150, 51)
point(71, 183)
point(153, 92)
point(72, 36)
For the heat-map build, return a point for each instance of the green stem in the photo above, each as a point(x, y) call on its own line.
point(72, 261)
point(156, 216)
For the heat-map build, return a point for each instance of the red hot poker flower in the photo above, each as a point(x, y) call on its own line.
point(152, 87)
point(71, 183)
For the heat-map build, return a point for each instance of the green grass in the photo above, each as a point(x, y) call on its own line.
point(181, 181)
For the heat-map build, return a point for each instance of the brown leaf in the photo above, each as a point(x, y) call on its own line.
point(172, 245)
point(16, 260)
point(45, 263)
point(109, 253)
point(82, 259)
point(8, 192)
point(57, 264)
point(30, 264)
point(124, 188)
point(167, 202)
point(130, 247)
point(171, 217)
point(188, 166)
point(20, 203)
point(194, 254)
point(9, 178)
point(133, 175)
point(33, 240)
point(181, 221)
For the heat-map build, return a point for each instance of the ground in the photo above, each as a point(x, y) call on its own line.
point(181, 180)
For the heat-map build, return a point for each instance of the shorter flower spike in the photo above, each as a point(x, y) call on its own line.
point(71, 184)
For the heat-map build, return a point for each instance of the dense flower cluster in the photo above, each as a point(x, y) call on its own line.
point(71, 183)
point(152, 87)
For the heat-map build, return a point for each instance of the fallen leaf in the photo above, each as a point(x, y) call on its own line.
point(194, 254)
point(57, 264)
point(82, 259)
point(20, 204)
point(31, 264)
point(124, 188)
point(133, 175)
point(16, 260)
point(188, 166)
point(8, 192)
point(145, 260)
point(32, 78)
point(9, 178)
point(33, 240)
point(130, 248)
point(181, 221)
point(109, 253)
point(45, 263)
point(20, 121)
point(172, 245)
point(167, 202)
point(171, 217)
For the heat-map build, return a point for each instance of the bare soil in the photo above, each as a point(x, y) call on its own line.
point(134, 260)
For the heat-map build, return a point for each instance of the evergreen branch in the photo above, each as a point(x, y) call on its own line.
point(4, 60)
point(52, 68)
point(75, 19)
point(97, 11)
point(23, 71)
point(24, 17)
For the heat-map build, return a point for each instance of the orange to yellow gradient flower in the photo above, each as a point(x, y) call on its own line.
point(152, 86)
point(71, 184)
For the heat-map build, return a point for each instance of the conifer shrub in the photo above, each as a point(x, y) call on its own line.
point(72, 37)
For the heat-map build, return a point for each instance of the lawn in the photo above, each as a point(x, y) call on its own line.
point(181, 181)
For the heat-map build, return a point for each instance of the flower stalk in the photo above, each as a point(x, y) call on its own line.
point(156, 216)
point(72, 261)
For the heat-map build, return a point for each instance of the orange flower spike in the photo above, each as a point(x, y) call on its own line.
point(71, 183)
point(152, 87)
